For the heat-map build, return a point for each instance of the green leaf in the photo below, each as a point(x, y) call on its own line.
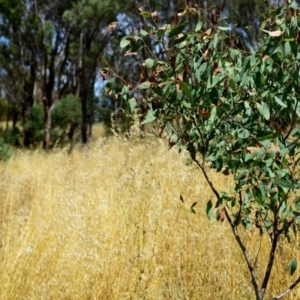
point(186, 90)
point(216, 80)
point(143, 86)
point(187, 104)
point(278, 101)
point(200, 71)
point(266, 137)
point(284, 183)
point(243, 133)
point(125, 90)
point(161, 33)
point(213, 115)
point(178, 29)
point(258, 195)
point(216, 38)
point(245, 79)
point(192, 207)
point(245, 65)
point(198, 27)
point(125, 42)
point(133, 104)
point(292, 266)
point(287, 48)
point(143, 32)
point(249, 156)
point(209, 209)
point(150, 117)
point(264, 110)
point(233, 53)
point(149, 62)
point(232, 84)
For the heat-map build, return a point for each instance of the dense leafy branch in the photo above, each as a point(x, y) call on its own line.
point(235, 112)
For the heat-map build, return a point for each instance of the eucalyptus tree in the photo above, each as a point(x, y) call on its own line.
point(54, 47)
point(88, 19)
point(18, 63)
point(34, 48)
point(236, 112)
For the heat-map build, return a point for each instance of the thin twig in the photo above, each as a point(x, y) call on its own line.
point(271, 257)
point(234, 230)
point(288, 290)
point(256, 258)
point(245, 253)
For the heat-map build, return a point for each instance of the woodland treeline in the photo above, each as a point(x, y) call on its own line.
point(51, 53)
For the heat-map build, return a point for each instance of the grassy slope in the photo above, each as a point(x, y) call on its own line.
point(107, 223)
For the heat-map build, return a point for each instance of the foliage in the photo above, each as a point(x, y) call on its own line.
point(235, 112)
point(67, 112)
point(36, 123)
point(5, 150)
point(12, 136)
point(66, 118)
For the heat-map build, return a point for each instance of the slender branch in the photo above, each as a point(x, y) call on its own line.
point(264, 221)
point(288, 290)
point(201, 166)
point(275, 239)
point(294, 142)
point(234, 230)
point(201, 136)
point(240, 209)
point(116, 74)
point(271, 256)
point(292, 125)
point(289, 224)
point(245, 253)
point(259, 248)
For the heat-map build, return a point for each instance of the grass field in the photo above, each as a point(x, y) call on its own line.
point(106, 222)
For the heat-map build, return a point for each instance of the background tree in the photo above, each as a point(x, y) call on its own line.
point(50, 49)
point(17, 58)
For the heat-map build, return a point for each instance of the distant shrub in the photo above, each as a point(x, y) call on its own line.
point(12, 136)
point(67, 112)
point(36, 123)
point(5, 150)
point(66, 117)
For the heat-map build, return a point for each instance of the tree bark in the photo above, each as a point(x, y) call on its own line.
point(84, 123)
point(28, 89)
point(47, 126)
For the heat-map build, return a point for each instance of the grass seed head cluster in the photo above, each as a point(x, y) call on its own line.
point(106, 222)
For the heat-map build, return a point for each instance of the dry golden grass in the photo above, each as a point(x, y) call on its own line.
point(106, 222)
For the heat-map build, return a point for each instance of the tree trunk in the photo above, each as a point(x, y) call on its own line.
point(87, 106)
point(15, 116)
point(84, 123)
point(27, 104)
point(91, 116)
point(28, 90)
point(27, 134)
point(47, 127)
point(71, 131)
